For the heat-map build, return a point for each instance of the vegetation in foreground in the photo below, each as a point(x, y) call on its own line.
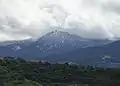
point(19, 72)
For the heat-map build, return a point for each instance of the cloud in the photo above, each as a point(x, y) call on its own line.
point(22, 19)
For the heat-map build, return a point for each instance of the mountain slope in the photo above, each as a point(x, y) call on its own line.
point(11, 48)
point(58, 42)
point(53, 43)
point(92, 55)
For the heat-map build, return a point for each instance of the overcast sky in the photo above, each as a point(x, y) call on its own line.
point(22, 19)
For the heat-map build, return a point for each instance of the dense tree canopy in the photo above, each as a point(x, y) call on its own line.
point(19, 72)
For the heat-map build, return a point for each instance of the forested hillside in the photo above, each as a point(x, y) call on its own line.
point(19, 72)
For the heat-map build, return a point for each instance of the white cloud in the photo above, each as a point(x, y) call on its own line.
point(21, 19)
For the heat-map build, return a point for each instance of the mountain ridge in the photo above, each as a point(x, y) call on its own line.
point(53, 43)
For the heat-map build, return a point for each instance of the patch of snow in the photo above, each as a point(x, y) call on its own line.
point(37, 46)
point(16, 48)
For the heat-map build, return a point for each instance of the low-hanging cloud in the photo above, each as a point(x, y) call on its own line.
point(23, 19)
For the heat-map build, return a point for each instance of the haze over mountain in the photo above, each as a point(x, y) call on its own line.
point(55, 42)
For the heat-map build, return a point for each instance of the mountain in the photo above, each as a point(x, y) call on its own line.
point(58, 42)
point(106, 55)
point(52, 43)
point(11, 48)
